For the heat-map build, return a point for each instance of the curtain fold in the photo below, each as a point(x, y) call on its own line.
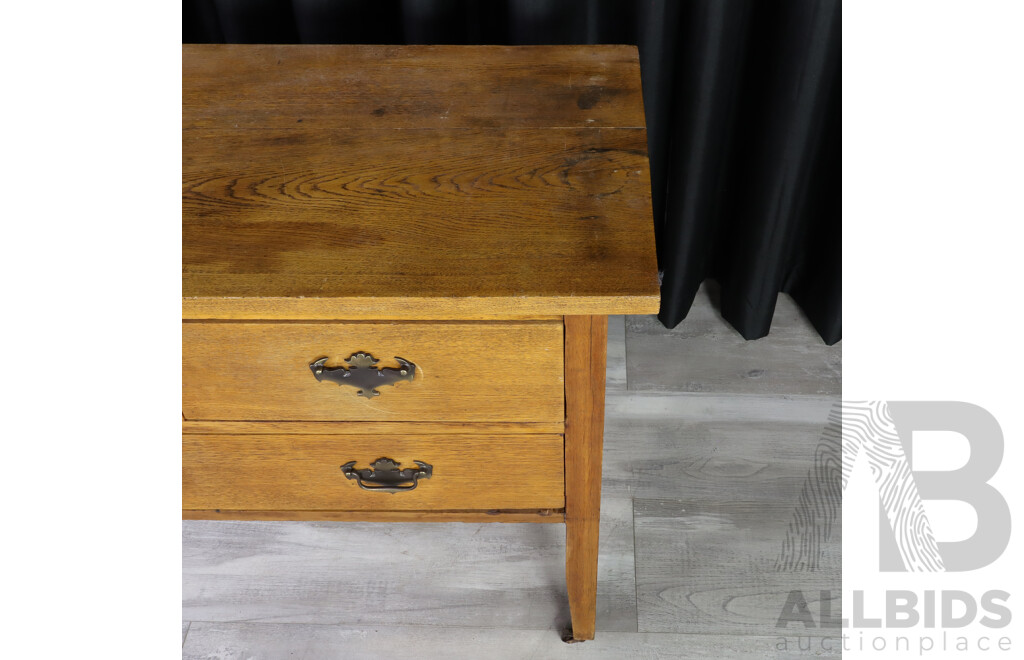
point(742, 99)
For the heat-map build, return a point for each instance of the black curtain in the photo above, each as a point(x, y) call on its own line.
point(743, 119)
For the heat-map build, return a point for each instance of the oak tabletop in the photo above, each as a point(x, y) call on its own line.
point(414, 182)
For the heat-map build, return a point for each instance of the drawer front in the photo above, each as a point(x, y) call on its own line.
point(302, 472)
point(464, 371)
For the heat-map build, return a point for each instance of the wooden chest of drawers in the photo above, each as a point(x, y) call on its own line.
point(397, 266)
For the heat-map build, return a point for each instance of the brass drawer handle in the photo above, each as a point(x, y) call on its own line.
point(385, 477)
point(362, 375)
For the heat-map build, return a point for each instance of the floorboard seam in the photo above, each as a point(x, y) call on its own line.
point(184, 638)
point(726, 395)
point(673, 633)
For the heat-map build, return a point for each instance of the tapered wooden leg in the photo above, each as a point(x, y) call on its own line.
point(586, 339)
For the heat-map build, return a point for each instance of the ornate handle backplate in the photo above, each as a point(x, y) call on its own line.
point(362, 375)
point(384, 476)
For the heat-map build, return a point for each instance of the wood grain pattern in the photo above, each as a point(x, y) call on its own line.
point(440, 574)
point(297, 205)
point(410, 87)
point(277, 310)
point(455, 576)
point(466, 371)
point(586, 339)
point(706, 355)
point(719, 482)
point(428, 308)
point(356, 217)
point(710, 448)
point(302, 472)
point(710, 568)
point(469, 516)
point(370, 428)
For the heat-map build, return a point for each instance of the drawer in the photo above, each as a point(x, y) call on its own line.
point(463, 371)
point(302, 472)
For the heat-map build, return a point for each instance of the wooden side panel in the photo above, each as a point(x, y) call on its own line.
point(303, 473)
point(586, 339)
point(493, 372)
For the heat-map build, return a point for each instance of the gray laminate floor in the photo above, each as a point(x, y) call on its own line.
point(712, 514)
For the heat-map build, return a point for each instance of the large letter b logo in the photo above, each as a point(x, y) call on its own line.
point(884, 432)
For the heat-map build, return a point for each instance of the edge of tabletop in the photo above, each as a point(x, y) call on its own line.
point(437, 308)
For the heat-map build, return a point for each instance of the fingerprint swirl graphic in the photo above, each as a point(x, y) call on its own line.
point(819, 510)
point(868, 427)
point(854, 428)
